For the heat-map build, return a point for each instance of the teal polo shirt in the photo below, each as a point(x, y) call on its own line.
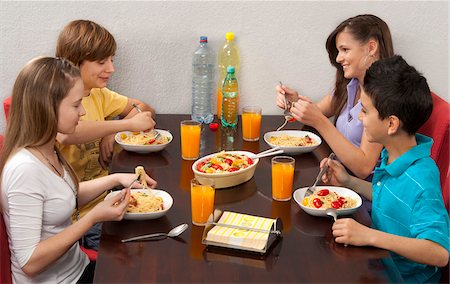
point(407, 201)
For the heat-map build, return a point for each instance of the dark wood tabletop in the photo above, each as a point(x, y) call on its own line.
point(306, 252)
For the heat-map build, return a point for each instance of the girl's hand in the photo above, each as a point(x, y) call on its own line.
point(307, 112)
point(336, 174)
point(125, 179)
point(283, 91)
point(348, 231)
point(111, 209)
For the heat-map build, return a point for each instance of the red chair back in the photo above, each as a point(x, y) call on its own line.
point(5, 256)
point(437, 127)
point(5, 259)
point(6, 106)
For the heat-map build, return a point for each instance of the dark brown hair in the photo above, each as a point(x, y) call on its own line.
point(363, 28)
point(397, 88)
point(85, 40)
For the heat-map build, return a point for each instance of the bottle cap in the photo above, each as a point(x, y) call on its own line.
point(230, 69)
point(229, 35)
point(203, 39)
point(213, 126)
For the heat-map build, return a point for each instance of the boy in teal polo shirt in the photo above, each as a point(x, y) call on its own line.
point(408, 214)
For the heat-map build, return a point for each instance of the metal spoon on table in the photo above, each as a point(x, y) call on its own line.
point(175, 232)
point(153, 131)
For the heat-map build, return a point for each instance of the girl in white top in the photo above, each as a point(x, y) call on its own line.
point(39, 190)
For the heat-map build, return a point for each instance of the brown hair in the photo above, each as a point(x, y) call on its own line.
point(363, 28)
point(37, 94)
point(85, 40)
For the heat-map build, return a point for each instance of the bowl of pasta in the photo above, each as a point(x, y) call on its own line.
point(143, 142)
point(293, 141)
point(146, 204)
point(344, 200)
point(226, 168)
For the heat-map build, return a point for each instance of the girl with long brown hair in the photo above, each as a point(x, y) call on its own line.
point(39, 189)
point(352, 47)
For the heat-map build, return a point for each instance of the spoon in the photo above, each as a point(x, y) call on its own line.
point(153, 131)
point(332, 213)
point(175, 232)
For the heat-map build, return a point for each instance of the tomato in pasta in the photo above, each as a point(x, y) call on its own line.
point(224, 162)
point(324, 198)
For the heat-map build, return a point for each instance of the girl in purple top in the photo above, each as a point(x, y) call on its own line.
point(352, 47)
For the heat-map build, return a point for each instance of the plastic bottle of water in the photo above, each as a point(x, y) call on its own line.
point(230, 99)
point(202, 82)
point(228, 56)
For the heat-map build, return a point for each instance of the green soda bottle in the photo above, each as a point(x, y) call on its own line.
point(230, 99)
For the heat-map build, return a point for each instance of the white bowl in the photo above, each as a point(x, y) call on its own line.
point(341, 191)
point(167, 204)
point(227, 179)
point(293, 149)
point(144, 148)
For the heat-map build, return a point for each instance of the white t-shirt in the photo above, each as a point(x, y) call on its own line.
point(37, 205)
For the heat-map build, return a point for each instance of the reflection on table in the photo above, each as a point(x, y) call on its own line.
point(306, 253)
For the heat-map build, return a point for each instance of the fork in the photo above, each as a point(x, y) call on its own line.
point(153, 131)
point(312, 188)
point(287, 114)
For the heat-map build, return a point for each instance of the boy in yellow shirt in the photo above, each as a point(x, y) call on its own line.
point(89, 150)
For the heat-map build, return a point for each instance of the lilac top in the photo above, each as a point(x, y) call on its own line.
point(347, 122)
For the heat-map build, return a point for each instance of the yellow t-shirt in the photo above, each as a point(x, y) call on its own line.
point(102, 104)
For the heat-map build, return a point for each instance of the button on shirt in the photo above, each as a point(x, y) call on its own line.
point(407, 201)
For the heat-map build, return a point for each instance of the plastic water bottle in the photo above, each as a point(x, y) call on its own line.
point(230, 99)
point(202, 82)
point(228, 56)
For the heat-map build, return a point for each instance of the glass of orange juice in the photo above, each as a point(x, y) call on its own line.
point(282, 177)
point(190, 139)
point(202, 200)
point(251, 123)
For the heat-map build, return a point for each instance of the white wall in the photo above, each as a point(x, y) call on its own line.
point(278, 41)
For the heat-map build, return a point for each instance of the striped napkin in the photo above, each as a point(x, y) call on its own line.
point(241, 238)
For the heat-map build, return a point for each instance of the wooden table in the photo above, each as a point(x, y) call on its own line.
point(306, 253)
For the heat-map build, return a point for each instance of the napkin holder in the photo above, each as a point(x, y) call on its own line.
point(272, 239)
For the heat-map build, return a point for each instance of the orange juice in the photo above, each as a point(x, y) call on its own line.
point(190, 139)
point(282, 178)
point(202, 202)
point(219, 102)
point(251, 123)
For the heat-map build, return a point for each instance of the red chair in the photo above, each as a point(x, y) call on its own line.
point(5, 256)
point(437, 127)
point(6, 106)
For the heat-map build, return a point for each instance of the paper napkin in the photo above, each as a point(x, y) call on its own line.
point(241, 238)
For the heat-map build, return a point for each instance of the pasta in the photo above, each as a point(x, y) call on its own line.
point(287, 140)
point(324, 198)
point(140, 172)
point(141, 202)
point(224, 162)
point(143, 138)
